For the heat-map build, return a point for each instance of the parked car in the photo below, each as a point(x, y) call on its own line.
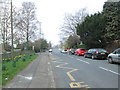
point(96, 53)
point(80, 51)
point(50, 50)
point(64, 51)
point(114, 56)
point(72, 51)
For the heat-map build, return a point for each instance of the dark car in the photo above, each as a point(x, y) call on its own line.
point(114, 56)
point(96, 53)
point(72, 51)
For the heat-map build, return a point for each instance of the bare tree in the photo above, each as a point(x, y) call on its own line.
point(26, 21)
point(5, 24)
point(71, 21)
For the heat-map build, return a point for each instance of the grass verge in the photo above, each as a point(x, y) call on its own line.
point(12, 68)
point(0, 75)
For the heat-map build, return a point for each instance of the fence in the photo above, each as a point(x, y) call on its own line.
point(7, 55)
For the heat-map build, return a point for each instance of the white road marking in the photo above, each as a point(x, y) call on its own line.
point(52, 76)
point(109, 70)
point(48, 63)
point(83, 61)
point(50, 53)
point(29, 78)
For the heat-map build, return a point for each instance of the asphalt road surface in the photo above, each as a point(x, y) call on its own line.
point(58, 70)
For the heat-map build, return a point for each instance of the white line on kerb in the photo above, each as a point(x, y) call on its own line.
point(83, 61)
point(109, 70)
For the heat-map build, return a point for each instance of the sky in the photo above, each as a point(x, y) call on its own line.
point(51, 13)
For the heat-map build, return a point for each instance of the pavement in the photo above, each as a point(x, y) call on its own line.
point(58, 70)
point(38, 74)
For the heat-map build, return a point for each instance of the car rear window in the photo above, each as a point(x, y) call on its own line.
point(102, 50)
point(82, 49)
point(73, 50)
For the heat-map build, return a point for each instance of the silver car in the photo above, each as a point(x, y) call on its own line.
point(114, 56)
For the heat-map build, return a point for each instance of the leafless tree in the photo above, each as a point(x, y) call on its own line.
point(71, 21)
point(26, 21)
point(5, 23)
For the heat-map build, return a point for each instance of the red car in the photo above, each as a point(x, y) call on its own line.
point(80, 51)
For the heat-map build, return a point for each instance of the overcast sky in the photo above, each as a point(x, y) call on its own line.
point(51, 13)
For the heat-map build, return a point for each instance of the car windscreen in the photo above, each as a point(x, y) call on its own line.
point(118, 52)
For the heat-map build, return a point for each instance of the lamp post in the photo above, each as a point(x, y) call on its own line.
point(40, 37)
point(11, 31)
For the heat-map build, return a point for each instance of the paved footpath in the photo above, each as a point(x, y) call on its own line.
point(37, 74)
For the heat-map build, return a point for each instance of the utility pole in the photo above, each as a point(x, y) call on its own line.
point(11, 32)
point(43, 35)
point(40, 37)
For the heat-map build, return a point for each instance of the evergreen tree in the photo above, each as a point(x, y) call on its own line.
point(112, 13)
point(92, 30)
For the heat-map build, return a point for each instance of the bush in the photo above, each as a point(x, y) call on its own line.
point(81, 46)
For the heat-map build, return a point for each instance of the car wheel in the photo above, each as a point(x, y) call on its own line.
point(110, 60)
point(85, 56)
point(93, 57)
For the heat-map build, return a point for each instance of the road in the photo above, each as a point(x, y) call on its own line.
point(57, 70)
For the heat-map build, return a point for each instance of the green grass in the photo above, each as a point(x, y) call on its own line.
point(12, 71)
point(0, 75)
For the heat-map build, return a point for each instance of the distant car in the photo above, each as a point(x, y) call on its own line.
point(96, 53)
point(114, 56)
point(80, 51)
point(64, 51)
point(50, 50)
point(72, 51)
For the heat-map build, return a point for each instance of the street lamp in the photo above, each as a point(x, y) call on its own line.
point(40, 36)
point(11, 31)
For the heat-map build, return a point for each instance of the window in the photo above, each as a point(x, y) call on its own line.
point(118, 51)
point(89, 51)
point(82, 49)
point(102, 50)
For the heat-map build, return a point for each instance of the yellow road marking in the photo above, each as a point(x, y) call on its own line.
point(70, 76)
point(68, 73)
point(60, 66)
point(78, 85)
point(73, 84)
